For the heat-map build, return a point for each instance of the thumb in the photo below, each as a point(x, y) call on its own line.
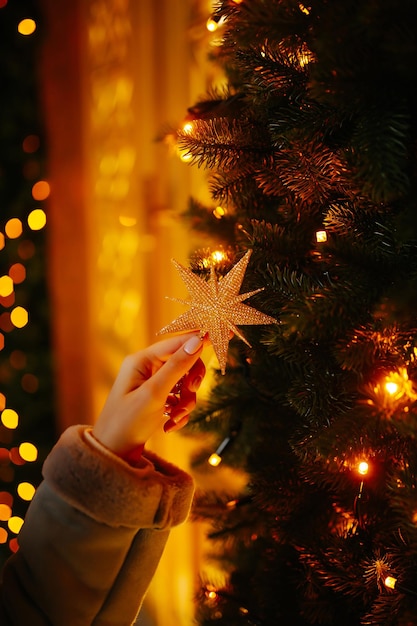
point(178, 364)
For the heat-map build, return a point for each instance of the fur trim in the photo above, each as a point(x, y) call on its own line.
point(100, 484)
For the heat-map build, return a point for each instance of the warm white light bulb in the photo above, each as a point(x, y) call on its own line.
point(390, 582)
point(363, 468)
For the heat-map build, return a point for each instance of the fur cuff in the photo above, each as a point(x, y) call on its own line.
point(95, 481)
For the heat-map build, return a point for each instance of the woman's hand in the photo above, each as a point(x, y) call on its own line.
point(155, 386)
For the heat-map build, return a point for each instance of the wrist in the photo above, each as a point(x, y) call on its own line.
point(132, 456)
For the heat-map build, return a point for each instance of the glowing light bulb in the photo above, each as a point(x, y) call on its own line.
point(188, 127)
point(391, 387)
point(321, 236)
point(210, 592)
point(218, 256)
point(304, 9)
point(215, 459)
point(211, 25)
point(363, 468)
point(390, 582)
point(219, 212)
point(185, 156)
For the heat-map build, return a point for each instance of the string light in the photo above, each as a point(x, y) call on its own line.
point(211, 25)
point(215, 459)
point(214, 258)
point(363, 468)
point(321, 236)
point(393, 391)
point(391, 582)
point(219, 212)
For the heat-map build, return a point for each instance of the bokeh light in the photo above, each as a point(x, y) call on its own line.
point(28, 451)
point(17, 273)
point(19, 317)
point(15, 523)
point(26, 26)
point(31, 144)
point(13, 228)
point(36, 219)
point(5, 512)
point(26, 491)
point(9, 418)
point(6, 286)
point(41, 190)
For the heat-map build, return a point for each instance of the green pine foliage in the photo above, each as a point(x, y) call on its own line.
point(316, 131)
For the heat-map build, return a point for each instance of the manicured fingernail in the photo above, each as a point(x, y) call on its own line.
point(169, 425)
point(193, 345)
point(195, 384)
point(180, 414)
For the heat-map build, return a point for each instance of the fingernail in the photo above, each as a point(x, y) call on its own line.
point(169, 425)
point(181, 413)
point(195, 384)
point(193, 344)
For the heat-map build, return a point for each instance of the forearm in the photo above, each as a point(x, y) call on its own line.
point(92, 537)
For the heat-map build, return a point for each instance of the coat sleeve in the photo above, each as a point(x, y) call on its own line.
point(92, 537)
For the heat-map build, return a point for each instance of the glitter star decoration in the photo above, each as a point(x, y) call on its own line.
point(216, 307)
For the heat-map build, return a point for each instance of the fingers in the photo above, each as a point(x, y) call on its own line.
point(134, 409)
point(180, 403)
point(178, 364)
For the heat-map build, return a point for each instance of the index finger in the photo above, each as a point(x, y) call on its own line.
point(179, 361)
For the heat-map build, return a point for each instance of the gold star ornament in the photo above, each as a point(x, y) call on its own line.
point(216, 307)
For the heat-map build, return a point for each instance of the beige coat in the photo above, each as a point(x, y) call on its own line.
point(92, 538)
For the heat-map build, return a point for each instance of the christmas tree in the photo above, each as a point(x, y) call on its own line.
point(311, 153)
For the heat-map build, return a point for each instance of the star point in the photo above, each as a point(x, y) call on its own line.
point(216, 307)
